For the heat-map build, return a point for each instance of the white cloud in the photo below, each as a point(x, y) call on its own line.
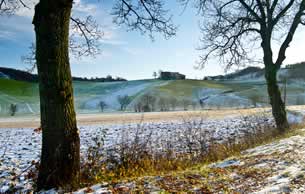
point(113, 42)
point(84, 8)
point(29, 10)
point(7, 35)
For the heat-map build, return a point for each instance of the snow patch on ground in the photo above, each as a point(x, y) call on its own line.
point(19, 147)
point(295, 117)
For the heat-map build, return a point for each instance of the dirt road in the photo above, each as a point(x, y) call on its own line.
point(122, 118)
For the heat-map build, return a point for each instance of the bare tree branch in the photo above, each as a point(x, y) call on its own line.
point(8, 7)
point(30, 58)
point(282, 12)
point(230, 26)
point(147, 16)
point(85, 37)
point(225, 31)
point(289, 37)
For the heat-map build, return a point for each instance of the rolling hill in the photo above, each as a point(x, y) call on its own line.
point(238, 90)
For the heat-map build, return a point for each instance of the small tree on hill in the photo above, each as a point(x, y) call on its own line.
point(124, 102)
point(103, 105)
point(13, 109)
point(155, 75)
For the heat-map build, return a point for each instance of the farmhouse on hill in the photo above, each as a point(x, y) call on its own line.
point(167, 75)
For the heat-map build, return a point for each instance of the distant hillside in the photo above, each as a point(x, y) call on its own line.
point(247, 73)
point(152, 95)
point(296, 70)
point(292, 71)
point(252, 72)
point(19, 75)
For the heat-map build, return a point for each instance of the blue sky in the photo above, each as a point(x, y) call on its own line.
point(126, 54)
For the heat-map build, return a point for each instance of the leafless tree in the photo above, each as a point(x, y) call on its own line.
point(232, 28)
point(103, 105)
point(149, 101)
point(60, 158)
point(84, 41)
point(13, 109)
point(155, 75)
point(124, 102)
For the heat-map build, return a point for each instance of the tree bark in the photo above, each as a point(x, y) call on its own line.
point(60, 159)
point(277, 104)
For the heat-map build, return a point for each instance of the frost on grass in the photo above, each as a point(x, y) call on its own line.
point(20, 148)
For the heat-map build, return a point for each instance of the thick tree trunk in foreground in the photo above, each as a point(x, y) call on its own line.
point(60, 160)
point(277, 104)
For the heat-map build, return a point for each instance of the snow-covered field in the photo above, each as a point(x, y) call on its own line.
point(19, 147)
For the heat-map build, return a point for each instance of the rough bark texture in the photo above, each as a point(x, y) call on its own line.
point(271, 69)
point(277, 104)
point(60, 160)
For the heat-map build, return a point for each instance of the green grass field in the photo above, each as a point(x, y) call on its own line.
point(184, 88)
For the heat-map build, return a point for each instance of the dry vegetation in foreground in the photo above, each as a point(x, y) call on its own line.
point(134, 158)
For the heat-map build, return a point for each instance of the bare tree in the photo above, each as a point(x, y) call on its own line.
point(103, 105)
point(60, 158)
point(232, 28)
point(155, 75)
point(13, 109)
point(124, 102)
point(148, 101)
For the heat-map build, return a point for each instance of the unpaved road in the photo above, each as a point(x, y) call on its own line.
point(122, 118)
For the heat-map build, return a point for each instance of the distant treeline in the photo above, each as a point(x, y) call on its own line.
point(18, 74)
point(248, 70)
point(29, 77)
point(295, 71)
point(109, 78)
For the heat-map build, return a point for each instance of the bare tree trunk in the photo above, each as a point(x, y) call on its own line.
point(60, 160)
point(277, 104)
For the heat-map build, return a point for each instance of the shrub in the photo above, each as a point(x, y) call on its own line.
point(13, 109)
point(124, 102)
point(93, 162)
point(103, 105)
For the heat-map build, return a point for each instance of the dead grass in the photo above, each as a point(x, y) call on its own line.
point(134, 158)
